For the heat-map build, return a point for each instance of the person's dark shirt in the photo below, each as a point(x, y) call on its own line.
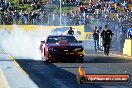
point(95, 36)
point(107, 35)
point(70, 32)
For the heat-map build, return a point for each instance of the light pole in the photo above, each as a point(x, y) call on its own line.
point(60, 12)
point(97, 18)
point(84, 14)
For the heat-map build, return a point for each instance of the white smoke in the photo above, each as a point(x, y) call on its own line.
point(23, 44)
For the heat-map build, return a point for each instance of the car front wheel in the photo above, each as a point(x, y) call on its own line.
point(48, 61)
point(81, 61)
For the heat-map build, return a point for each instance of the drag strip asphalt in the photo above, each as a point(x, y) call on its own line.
point(63, 75)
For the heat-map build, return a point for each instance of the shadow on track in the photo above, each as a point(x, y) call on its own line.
point(105, 59)
point(50, 76)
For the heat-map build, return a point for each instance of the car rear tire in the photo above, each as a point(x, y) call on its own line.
point(81, 61)
point(48, 61)
point(44, 53)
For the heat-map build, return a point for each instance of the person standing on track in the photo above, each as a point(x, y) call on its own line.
point(107, 37)
point(41, 48)
point(70, 31)
point(96, 39)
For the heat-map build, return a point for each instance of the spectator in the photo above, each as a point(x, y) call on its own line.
point(25, 17)
point(129, 32)
point(124, 4)
point(82, 8)
point(34, 16)
point(77, 2)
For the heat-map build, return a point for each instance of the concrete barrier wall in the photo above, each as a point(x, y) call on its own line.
point(86, 37)
point(33, 28)
point(127, 50)
point(3, 81)
point(37, 27)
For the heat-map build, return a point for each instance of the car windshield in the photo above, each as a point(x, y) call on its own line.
point(57, 39)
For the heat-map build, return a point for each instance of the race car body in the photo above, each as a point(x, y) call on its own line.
point(63, 47)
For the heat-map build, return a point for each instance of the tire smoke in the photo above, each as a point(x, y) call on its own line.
point(22, 44)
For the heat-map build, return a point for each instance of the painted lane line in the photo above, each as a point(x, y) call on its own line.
point(13, 59)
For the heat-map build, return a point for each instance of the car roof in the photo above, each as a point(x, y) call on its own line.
point(59, 35)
